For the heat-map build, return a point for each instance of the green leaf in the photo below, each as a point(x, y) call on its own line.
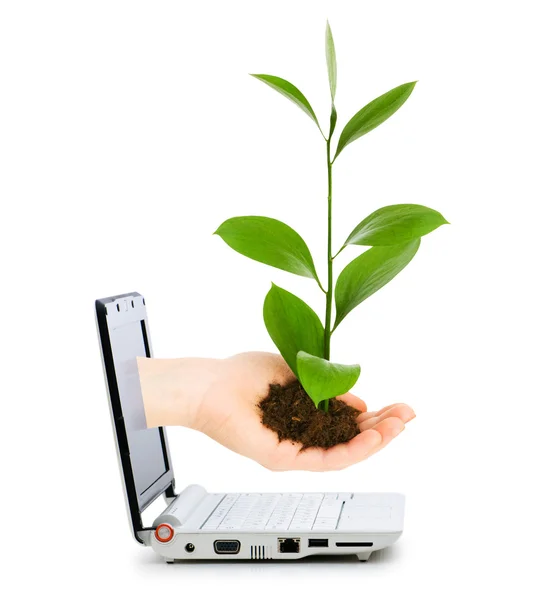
point(334, 117)
point(269, 241)
point(374, 114)
point(368, 273)
point(289, 91)
point(395, 224)
point(331, 60)
point(292, 325)
point(322, 379)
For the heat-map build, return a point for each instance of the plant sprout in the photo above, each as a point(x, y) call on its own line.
point(393, 234)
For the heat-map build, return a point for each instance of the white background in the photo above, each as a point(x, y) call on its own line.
point(130, 130)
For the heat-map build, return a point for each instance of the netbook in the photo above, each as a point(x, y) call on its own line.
point(200, 525)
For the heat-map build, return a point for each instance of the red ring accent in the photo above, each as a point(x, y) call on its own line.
point(170, 536)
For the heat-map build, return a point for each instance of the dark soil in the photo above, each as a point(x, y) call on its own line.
point(291, 413)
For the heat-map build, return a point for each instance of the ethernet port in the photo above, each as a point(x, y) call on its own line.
point(288, 545)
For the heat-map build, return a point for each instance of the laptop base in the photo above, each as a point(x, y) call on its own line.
point(186, 530)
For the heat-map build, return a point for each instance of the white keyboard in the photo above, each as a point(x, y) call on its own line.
point(277, 512)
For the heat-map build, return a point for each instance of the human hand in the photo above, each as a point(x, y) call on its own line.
point(227, 412)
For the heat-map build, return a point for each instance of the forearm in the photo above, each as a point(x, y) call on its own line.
point(173, 389)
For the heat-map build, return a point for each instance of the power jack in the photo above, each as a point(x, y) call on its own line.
point(190, 548)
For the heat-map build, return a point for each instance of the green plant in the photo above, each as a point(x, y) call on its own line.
point(392, 232)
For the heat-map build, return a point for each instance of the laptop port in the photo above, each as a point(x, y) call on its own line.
point(318, 543)
point(288, 545)
point(226, 546)
point(354, 544)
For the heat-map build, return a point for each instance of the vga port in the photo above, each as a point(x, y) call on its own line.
point(226, 546)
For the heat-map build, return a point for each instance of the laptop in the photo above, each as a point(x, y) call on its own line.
point(197, 524)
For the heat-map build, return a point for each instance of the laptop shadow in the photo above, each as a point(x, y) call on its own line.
point(386, 556)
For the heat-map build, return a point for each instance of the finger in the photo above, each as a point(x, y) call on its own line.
point(354, 401)
point(368, 415)
point(356, 450)
point(389, 429)
point(401, 411)
point(376, 413)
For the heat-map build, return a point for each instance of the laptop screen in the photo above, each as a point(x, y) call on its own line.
point(147, 457)
point(143, 453)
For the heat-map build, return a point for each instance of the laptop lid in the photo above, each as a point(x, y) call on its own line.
point(143, 453)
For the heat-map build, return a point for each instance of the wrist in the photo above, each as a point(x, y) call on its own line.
point(173, 389)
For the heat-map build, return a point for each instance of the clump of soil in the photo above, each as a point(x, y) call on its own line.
point(291, 413)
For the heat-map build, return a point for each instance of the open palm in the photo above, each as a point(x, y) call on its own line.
point(229, 414)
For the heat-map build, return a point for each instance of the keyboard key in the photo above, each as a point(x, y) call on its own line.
point(229, 499)
point(330, 509)
point(327, 524)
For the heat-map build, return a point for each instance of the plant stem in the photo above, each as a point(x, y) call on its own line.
point(328, 312)
point(327, 341)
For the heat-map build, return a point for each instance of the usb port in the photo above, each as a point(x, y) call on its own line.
point(318, 543)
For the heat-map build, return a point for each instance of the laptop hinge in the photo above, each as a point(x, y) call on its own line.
point(170, 492)
point(145, 535)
